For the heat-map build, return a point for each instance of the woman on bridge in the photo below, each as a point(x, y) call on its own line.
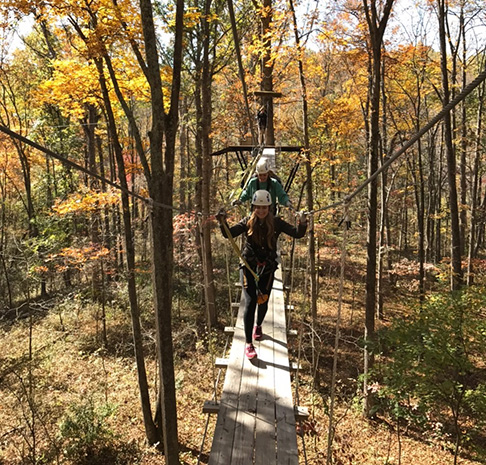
point(259, 259)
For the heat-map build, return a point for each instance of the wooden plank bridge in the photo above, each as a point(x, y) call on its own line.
point(256, 414)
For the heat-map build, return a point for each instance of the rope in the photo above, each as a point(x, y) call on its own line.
point(460, 97)
point(208, 417)
point(84, 170)
point(249, 170)
point(228, 277)
point(330, 437)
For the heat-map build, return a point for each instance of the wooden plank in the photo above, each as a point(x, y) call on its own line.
point(222, 447)
point(265, 436)
point(301, 413)
point(250, 148)
point(243, 445)
point(294, 366)
point(211, 407)
point(221, 362)
point(267, 93)
point(287, 452)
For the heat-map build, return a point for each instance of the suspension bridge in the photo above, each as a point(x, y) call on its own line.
point(256, 421)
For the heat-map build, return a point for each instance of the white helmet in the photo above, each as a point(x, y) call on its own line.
point(262, 167)
point(261, 198)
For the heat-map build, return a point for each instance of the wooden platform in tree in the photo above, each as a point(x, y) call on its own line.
point(251, 148)
point(256, 415)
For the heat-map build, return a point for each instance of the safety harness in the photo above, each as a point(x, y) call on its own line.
point(261, 298)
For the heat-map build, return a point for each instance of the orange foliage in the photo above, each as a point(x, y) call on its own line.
point(78, 257)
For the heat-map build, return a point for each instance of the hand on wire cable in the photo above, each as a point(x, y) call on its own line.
point(290, 205)
point(221, 215)
point(236, 202)
point(302, 217)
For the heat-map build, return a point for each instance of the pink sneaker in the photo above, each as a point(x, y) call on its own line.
point(257, 333)
point(250, 351)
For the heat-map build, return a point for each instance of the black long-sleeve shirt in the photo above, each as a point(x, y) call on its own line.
point(255, 253)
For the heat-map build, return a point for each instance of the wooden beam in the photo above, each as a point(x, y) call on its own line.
point(250, 148)
point(294, 366)
point(292, 332)
point(267, 93)
point(221, 362)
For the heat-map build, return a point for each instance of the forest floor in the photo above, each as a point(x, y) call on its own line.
point(80, 401)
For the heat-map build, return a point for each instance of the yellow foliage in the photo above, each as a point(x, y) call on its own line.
point(80, 203)
point(73, 86)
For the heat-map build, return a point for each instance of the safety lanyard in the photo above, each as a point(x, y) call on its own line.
point(238, 251)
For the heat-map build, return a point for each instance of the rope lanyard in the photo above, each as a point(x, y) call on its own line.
point(248, 172)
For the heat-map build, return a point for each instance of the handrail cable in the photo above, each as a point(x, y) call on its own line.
point(72, 164)
point(210, 328)
point(228, 278)
point(461, 96)
point(214, 399)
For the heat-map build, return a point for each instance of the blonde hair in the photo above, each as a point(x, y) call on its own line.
point(257, 234)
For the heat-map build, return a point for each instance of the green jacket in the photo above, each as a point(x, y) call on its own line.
point(271, 185)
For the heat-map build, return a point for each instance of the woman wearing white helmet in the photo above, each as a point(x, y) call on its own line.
point(261, 230)
point(264, 181)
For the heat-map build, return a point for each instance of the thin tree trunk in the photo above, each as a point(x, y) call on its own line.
point(383, 202)
point(456, 275)
point(308, 169)
point(475, 199)
point(207, 165)
point(376, 28)
point(153, 436)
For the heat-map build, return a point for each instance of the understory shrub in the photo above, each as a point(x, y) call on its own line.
point(85, 431)
point(429, 372)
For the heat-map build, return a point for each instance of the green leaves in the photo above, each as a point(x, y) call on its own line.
point(430, 362)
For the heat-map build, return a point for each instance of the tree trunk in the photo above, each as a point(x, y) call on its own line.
point(266, 17)
point(210, 292)
point(308, 170)
point(456, 275)
point(376, 28)
point(160, 184)
point(153, 436)
point(463, 137)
